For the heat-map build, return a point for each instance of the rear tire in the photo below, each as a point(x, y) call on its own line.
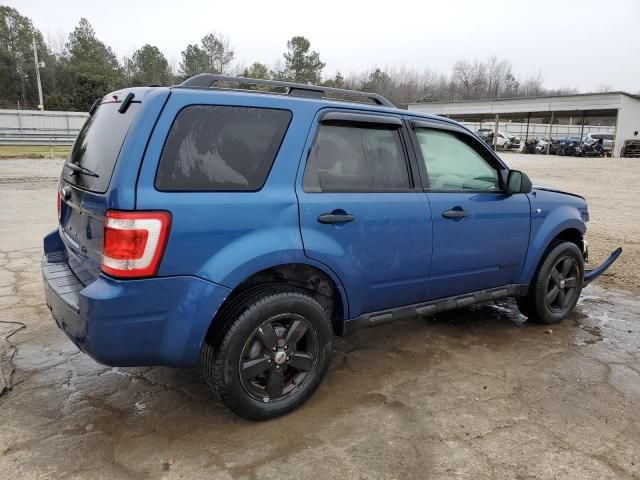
point(556, 286)
point(271, 352)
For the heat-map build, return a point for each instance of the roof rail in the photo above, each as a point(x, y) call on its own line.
point(206, 80)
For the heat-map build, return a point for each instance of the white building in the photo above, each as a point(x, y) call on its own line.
point(578, 113)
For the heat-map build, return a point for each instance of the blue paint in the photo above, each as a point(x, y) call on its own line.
point(399, 249)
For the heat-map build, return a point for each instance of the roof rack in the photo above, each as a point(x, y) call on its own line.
point(206, 80)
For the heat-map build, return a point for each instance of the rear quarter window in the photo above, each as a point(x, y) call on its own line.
point(221, 148)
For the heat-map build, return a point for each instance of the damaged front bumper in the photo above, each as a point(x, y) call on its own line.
point(591, 275)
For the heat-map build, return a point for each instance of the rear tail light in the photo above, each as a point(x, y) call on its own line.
point(59, 204)
point(134, 243)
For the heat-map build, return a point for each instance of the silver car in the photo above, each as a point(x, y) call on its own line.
point(607, 140)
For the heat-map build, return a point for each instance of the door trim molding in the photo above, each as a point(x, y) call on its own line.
point(367, 320)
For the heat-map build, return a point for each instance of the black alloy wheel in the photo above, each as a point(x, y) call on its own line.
point(562, 284)
point(269, 350)
point(278, 357)
point(556, 286)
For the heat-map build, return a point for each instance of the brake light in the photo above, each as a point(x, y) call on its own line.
point(59, 205)
point(134, 242)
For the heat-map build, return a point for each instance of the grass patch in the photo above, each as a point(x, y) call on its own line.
point(31, 151)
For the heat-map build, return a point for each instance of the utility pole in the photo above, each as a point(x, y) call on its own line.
point(38, 65)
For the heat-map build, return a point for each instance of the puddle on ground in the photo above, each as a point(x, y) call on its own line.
point(595, 331)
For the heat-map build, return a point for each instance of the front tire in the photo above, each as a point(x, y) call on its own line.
point(271, 354)
point(556, 286)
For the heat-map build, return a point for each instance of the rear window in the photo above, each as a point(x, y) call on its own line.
point(221, 148)
point(354, 158)
point(97, 147)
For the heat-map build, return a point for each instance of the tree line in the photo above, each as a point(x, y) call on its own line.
point(83, 68)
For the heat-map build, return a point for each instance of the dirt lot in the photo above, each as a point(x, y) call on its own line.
point(477, 394)
point(611, 189)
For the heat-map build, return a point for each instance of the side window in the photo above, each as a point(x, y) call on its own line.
point(452, 164)
point(220, 148)
point(353, 157)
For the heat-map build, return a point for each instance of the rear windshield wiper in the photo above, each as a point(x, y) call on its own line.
point(79, 169)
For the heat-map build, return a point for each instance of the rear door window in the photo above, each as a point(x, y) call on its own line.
point(221, 148)
point(97, 146)
point(356, 158)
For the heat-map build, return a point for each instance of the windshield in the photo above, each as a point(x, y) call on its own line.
point(97, 147)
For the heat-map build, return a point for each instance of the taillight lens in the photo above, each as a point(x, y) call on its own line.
point(59, 205)
point(134, 243)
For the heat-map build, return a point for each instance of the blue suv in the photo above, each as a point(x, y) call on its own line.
point(240, 229)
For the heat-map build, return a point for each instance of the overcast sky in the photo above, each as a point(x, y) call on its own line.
point(582, 44)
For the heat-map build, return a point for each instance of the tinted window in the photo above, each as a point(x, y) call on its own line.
point(452, 164)
point(352, 158)
point(97, 146)
point(221, 148)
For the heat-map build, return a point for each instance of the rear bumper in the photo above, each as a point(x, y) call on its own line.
point(154, 321)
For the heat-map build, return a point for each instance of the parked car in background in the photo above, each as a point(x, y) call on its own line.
point(515, 143)
point(542, 145)
point(503, 140)
point(486, 134)
point(564, 146)
point(530, 146)
point(536, 145)
point(507, 141)
point(604, 139)
point(240, 230)
point(594, 149)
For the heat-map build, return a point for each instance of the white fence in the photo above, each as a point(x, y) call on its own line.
point(537, 130)
point(33, 127)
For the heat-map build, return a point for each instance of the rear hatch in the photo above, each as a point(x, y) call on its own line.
point(85, 180)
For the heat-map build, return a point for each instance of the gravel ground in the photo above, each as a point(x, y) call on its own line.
point(610, 186)
point(476, 394)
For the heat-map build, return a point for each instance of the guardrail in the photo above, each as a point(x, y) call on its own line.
point(41, 129)
point(37, 139)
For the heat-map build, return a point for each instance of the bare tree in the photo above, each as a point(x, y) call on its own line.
point(56, 41)
point(532, 86)
point(468, 80)
point(471, 79)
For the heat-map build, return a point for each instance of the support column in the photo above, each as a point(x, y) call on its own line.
point(526, 135)
point(550, 132)
point(495, 132)
point(618, 142)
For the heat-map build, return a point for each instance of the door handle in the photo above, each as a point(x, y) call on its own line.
point(455, 213)
point(329, 218)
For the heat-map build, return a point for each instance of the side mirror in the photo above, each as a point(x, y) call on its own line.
point(518, 182)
